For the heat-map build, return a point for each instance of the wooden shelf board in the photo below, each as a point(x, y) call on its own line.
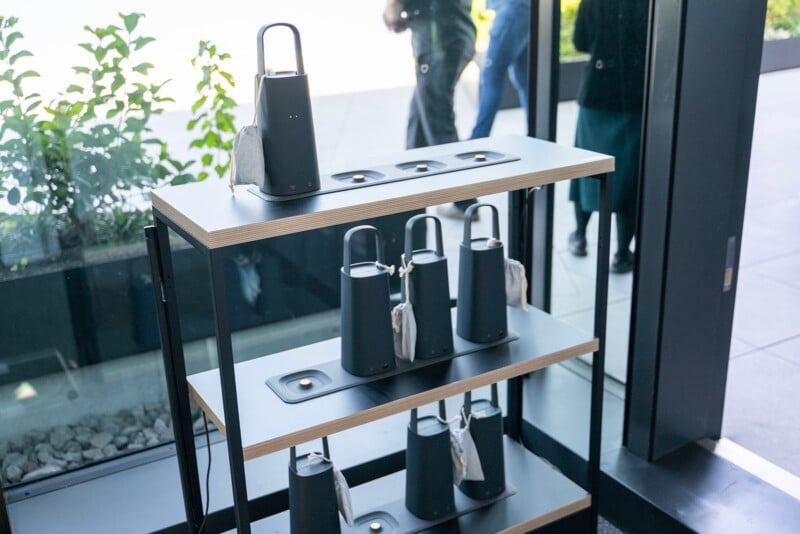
point(543, 496)
point(209, 213)
point(268, 424)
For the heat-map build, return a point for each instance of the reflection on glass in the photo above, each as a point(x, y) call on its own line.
point(607, 118)
point(81, 377)
point(610, 99)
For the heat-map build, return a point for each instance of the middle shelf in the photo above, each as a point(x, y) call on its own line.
point(269, 425)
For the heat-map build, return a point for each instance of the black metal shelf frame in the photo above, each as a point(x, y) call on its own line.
point(175, 367)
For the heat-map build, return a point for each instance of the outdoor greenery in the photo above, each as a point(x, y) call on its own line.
point(73, 168)
point(783, 19)
point(213, 110)
point(569, 10)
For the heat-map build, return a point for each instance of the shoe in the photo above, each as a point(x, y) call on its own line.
point(577, 244)
point(622, 262)
point(451, 211)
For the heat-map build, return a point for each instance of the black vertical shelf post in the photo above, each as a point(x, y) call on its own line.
point(598, 358)
point(175, 369)
point(216, 267)
point(5, 522)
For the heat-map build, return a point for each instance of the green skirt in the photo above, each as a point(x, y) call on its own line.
point(617, 134)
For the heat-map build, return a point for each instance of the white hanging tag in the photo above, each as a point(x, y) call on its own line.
point(405, 331)
point(469, 454)
point(247, 162)
point(516, 284)
point(248, 165)
point(343, 496)
point(404, 323)
point(457, 456)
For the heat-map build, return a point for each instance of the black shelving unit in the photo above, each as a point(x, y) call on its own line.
point(236, 398)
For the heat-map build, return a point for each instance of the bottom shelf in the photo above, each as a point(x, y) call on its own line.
point(542, 495)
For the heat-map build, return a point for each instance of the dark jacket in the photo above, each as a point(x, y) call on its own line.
point(614, 33)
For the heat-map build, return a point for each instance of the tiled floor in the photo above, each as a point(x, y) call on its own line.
point(764, 372)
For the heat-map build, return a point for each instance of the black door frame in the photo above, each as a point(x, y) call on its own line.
point(701, 92)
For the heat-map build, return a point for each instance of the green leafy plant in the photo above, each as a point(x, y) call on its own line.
point(212, 112)
point(17, 112)
point(783, 19)
point(80, 160)
point(569, 12)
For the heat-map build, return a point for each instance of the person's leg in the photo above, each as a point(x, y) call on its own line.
point(626, 224)
point(508, 29)
point(518, 72)
point(581, 219)
point(446, 70)
point(577, 239)
point(415, 137)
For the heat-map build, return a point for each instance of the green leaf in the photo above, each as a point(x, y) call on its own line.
point(100, 53)
point(36, 196)
point(202, 176)
point(206, 160)
point(131, 20)
point(75, 109)
point(197, 143)
point(88, 47)
point(28, 74)
point(142, 68)
point(13, 196)
point(123, 50)
point(24, 53)
point(13, 36)
point(74, 89)
point(199, 103)
point(228, 77)
point(139, 42)
point(118, 82)
point(134, 125)
point(33, 105)
point(182, 179)
point(189, 126)
point(81, 70)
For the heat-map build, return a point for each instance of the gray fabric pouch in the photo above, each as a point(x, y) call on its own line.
point(247, 162)
point(404, 323)
point(516, 285)
point(247, 165)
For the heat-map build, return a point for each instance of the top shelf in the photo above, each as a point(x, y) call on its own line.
point(215, 218)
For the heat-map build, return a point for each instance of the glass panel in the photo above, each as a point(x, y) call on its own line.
point(764, 366)
point(82, 143)
point(605, 117)
point(783, 19)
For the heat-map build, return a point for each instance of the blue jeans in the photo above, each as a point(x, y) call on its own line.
point(507, 53)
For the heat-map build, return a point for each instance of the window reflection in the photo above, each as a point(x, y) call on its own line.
point(81, 377)
point(606, 117)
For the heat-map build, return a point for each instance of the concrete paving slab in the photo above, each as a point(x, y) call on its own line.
point(761, 408)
